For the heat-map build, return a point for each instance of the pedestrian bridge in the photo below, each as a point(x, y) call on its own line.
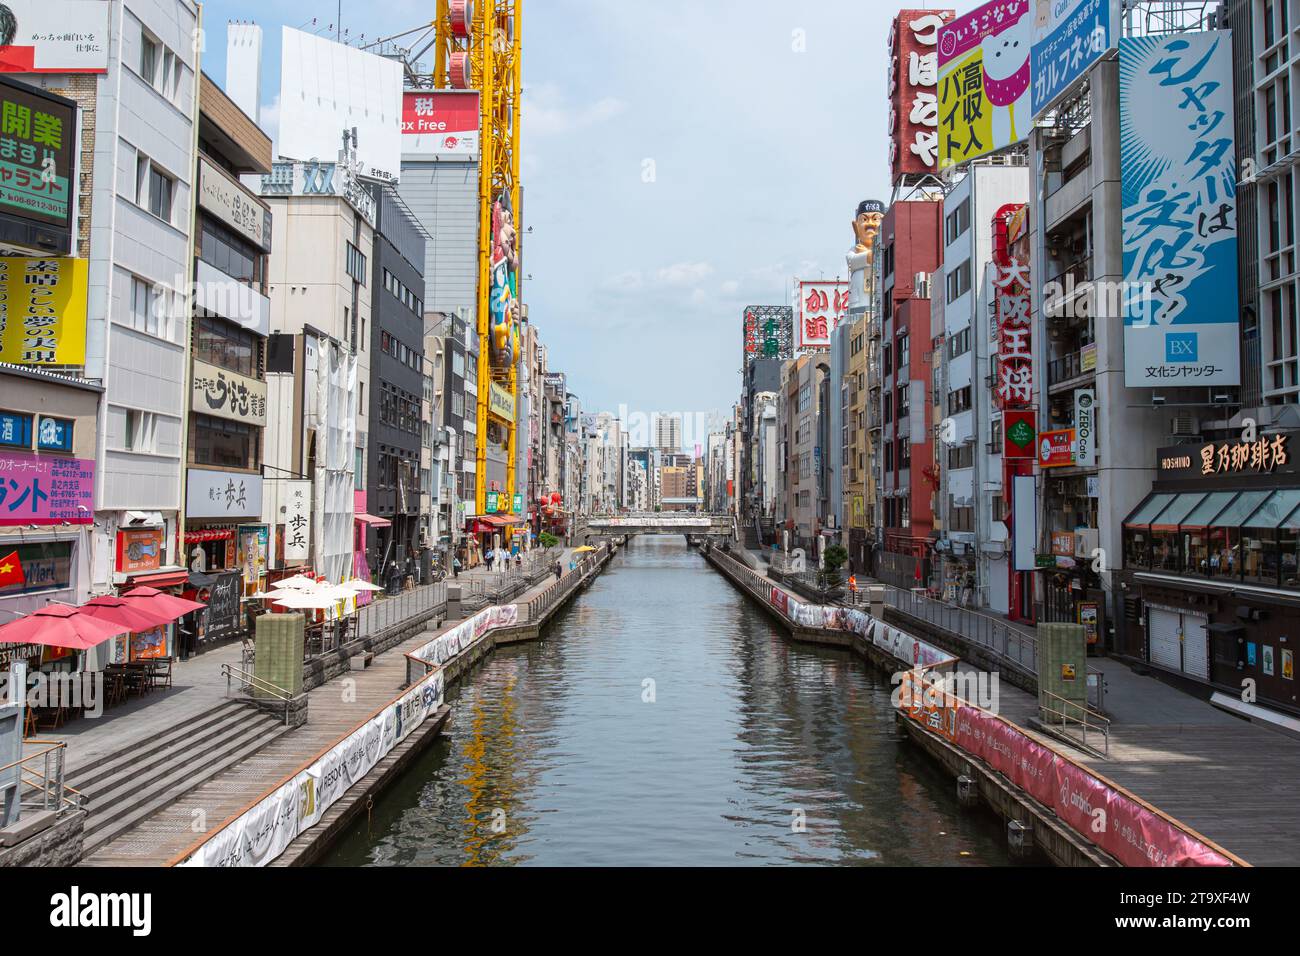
point(661, 523)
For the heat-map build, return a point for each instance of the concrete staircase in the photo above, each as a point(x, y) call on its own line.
point(125, 788)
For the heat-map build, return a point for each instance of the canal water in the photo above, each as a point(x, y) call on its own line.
point(665, 719)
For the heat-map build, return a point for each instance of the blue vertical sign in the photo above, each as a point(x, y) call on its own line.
point(1068, 37)
point(1178, 169)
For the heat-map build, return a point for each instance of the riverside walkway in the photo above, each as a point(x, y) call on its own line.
point(334, 709)
point(1227, 778)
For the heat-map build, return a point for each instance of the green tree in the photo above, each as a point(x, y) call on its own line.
point(834, 558)
point(547, 540)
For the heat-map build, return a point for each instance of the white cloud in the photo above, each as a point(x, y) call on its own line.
point(684, 273)
point(547, 112)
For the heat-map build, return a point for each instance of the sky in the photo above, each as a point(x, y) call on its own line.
point(680, 160)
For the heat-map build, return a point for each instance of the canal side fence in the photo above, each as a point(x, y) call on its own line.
point(1135, 833)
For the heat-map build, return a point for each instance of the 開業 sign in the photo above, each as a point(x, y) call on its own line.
point(38, 139)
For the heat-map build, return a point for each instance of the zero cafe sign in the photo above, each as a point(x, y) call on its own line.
point(1267, 454)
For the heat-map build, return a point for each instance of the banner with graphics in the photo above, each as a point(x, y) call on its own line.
point(261, 833)
point(1069, 36)
point(984, 81)
point(1178, 171)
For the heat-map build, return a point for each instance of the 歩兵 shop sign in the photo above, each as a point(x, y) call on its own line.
point(500, 403)
point(1085, 427)
point(42, 311)
point(46, 489)
point(234, 205)
point(1056, 448)
point(223, 494)
point(56, 36)
point(38, 137)
point(1019, 433)
point(139, 549)
point(226, 394)
point(297, 520)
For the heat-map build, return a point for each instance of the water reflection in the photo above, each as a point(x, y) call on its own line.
point(665, 720)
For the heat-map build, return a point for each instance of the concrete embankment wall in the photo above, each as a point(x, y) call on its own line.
point(476, 637)
point(1056, 841)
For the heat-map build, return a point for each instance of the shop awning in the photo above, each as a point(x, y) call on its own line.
point(209, 534)
point(501, 521)
point(372, 520)
point(1148, 510)
point(160, 579)
point(1177, 511)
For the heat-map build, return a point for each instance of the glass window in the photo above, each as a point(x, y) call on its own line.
point(227, 444)
point(1166, 543)
point(148, 59)
point(1149, 509)
point(1195, 531)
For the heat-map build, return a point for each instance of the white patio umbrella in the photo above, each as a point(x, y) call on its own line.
point(356, 584)
point(304, 601)
point(299, 581)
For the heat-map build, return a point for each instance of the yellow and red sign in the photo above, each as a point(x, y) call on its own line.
point(1056, 448)
point(45, 318)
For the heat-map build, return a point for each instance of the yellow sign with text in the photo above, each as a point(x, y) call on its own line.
point(43, 311)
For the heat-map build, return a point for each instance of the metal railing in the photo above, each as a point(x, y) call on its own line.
point(1004, 640)
point(1068, 366)
point(1057, 710)
point(539, 604)
point(47, 781)
point(385, 612)
point(251, 682)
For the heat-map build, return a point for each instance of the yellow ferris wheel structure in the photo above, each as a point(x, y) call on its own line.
point(476, 46)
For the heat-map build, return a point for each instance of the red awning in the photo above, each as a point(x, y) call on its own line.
point(209, 534)
point(501, 521)
point(372, 520)
point(160, 579)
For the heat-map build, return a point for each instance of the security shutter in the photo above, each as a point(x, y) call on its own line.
point(1196, 659)
point(1162, 638)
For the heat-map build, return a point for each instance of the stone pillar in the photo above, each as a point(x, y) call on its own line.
point(279, 652)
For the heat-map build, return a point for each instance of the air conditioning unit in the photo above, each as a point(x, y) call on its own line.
point(1184, 424)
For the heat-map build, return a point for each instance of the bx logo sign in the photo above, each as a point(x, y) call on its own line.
point(1181, 347)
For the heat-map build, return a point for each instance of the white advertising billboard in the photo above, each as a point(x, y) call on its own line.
point(822, 306)
point(54, 36)
point(326, 88)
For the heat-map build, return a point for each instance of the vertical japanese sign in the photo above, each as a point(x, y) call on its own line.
point(821, 307)
point(1069, 36)
point(297, 520)
point(1178, 182)
point(46, 489)
point(767, 330)
point(913, 106)
point(42, 311)
point(1015, 355)
point(983, 66)
point(38, 138)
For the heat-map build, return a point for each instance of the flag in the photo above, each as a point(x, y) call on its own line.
point(11, 570)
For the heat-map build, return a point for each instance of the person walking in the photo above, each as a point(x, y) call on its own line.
point(558, 569)
point(487, 558)
point(455, 566)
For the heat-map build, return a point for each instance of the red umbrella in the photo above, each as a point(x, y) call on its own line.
point(153, 601)
point(59, 625)
point(136, 615)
